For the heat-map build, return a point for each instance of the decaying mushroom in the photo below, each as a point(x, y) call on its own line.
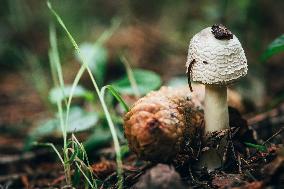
point(216, 59)
point(162, 123)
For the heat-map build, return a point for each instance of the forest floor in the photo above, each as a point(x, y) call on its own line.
point(21, 107)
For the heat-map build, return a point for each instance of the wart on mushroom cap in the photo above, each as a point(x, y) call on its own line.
point(224, 56)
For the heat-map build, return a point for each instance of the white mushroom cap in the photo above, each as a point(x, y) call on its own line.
point(216, 61)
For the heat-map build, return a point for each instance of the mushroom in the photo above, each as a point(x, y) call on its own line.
point(216, 59)
point(164, 125)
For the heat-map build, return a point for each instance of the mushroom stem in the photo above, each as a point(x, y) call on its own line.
point(216, 118)
point(216, 108)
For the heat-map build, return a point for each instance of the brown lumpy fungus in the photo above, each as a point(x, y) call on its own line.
point(159, 125)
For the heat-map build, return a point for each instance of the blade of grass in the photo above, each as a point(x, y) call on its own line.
point(86, 177)
point(57, 76)
point(61, 119)
point(77, 78)
point(74, 151)
point(53, 147)
point(55, 56)
point(87, 166)
point(108, 33)
point(115, 93)
point(53, 69)
point(130, 75)
point(82, 149)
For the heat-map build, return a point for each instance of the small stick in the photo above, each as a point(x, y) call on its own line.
point(245, 161)
point(191, 175)
point(274, 135)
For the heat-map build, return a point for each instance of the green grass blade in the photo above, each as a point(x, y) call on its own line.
point(85, 157)
point(54, 55)
point(116, 94)
point(84, 174)
point(62, 125)
point(53, 69)
point(53, 147)
point(130, 76)
point(56, 68)
point(108, 33)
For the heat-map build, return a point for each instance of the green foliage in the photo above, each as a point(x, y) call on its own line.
point(98, 138)
point(124, 150)
point(58, 94)
point(43, 129)
point(177, 82)
point(277, 46)
point(146, 82)
point(79, 120)
point(96, 58)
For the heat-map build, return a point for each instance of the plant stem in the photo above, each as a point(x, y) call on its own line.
point(130, 75)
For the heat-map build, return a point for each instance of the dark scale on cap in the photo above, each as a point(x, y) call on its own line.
point(221, 32)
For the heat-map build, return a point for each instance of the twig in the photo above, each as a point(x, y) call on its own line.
point(265, 115)
point(191, 175)
point(274, 135)
point(194, 181)
point(245, 161)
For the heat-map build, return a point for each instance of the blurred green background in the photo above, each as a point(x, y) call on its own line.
point(154, 35)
